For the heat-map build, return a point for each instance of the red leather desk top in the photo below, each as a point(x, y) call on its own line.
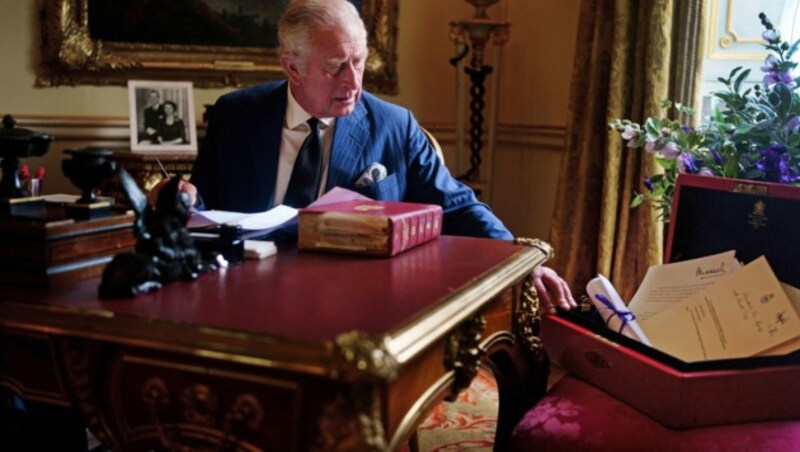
point(301, 295)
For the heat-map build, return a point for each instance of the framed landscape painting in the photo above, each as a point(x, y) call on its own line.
point(213, 43)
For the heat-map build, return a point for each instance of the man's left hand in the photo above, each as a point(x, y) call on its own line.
point(552, 289)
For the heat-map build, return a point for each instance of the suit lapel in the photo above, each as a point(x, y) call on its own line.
point(269, 127)
point(347, 150)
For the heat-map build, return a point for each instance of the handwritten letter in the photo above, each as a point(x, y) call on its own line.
point(666, 285)
point(739, 316)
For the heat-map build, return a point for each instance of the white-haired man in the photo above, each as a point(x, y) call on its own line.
point(255, 148)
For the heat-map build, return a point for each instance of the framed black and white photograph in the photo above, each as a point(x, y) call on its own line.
point(162, 116)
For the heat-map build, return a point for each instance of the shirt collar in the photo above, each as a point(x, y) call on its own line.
point(297, 116)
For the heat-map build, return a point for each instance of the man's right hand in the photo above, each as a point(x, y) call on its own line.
point(187, 187)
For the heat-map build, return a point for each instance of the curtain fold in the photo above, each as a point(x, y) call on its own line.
point(624, 67)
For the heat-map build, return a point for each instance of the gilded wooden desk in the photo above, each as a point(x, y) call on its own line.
point(302, 351)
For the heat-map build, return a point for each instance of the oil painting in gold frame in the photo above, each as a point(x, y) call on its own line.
point(71, 55)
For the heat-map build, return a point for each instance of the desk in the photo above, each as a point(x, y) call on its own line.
point(302, 351)
point(145, 170)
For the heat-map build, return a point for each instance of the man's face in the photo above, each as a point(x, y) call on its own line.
point(327, 82)
point(152, 98)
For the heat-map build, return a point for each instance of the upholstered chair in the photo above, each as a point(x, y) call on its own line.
point(575, 415)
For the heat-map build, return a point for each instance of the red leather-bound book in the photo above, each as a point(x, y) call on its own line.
point(379, 228)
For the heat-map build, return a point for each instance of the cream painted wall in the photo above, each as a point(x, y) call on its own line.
point(534, 90)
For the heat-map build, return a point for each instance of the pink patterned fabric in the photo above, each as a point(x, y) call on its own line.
point(469, 423)
point(577, 416)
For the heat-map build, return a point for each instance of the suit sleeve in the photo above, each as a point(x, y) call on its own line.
point(429, 181)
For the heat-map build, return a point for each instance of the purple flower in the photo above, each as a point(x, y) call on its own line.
point(792, 125)
point(687, 164)
point(774, 163)
point(705, 172)
point(773, 76)
point(648, 183)
point(770, 63)
point(717, 158)
point(670, 151)
point(650, 145)
point(786, 175)
point(770, 79)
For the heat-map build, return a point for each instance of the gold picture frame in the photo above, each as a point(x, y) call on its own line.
point(71, 56)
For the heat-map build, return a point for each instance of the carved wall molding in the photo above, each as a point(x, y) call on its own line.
point(528, 136)
point(115, 130)
point(734, 31)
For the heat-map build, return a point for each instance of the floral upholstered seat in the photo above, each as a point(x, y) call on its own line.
point(576, 416)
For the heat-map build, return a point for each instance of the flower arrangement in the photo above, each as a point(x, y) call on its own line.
point(755, 135)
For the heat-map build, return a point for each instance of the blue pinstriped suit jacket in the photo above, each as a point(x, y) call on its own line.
point(237, 165)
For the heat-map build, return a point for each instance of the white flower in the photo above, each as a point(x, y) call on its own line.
point(772, 36)
point(628, 133)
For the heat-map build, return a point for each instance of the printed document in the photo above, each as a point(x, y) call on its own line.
point(741, 315)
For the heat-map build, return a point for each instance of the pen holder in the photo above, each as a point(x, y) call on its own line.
point(34, 186)
point(16, 143)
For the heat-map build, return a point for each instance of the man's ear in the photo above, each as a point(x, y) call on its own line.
point(290, 66)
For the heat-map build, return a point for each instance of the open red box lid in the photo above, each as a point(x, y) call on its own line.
point(711, 215)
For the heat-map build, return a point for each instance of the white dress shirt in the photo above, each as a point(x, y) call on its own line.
point(295, 130)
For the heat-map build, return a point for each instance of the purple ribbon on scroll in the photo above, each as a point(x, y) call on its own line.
point(624, 316)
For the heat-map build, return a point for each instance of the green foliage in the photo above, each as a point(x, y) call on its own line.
point(755, 135)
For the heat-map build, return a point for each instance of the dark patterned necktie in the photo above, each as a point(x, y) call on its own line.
point(307, 171)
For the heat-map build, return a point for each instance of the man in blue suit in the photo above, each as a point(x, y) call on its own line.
point(256, 135)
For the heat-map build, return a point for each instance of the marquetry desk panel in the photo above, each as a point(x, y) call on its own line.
point(303, 351)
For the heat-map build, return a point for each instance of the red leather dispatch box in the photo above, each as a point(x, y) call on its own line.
point(709, 215)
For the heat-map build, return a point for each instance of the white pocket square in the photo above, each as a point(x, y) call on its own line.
point(375, 173)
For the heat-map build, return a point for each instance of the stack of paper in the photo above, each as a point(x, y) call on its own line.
point(713, 308)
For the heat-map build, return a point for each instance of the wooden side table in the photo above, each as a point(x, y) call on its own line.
point(147, 172)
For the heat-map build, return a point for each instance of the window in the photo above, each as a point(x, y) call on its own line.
point(734, 39)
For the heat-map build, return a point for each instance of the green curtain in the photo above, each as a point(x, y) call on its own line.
point(627, 56)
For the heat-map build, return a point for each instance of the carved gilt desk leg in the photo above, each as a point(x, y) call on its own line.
point(522, 368)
